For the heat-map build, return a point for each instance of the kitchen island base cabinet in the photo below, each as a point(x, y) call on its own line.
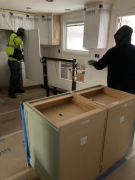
point(65, 137)
point(121, 113)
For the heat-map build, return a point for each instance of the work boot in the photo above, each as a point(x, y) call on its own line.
point(12, 95)
point(19, 91)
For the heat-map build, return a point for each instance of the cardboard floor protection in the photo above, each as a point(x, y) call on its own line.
point(12, 155)
point(35, 90)
point(10, 123)
point(8, 104)
point(27, 174)
point(124, 172)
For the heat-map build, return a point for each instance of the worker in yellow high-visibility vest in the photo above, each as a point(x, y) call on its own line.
point(15, 58)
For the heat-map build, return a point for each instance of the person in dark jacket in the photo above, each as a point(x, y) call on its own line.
point(120, 61)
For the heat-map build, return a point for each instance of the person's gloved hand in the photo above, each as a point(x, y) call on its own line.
point(91, 62)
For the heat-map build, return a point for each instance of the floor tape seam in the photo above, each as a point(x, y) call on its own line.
point(127, 158)
point(130, 155)
point(110, 171)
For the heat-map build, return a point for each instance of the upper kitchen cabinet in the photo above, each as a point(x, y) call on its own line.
point(41, 23)
point(96, 25)
point(29, 21)
point(49, 26)
point(18, 21)
point(6, 20)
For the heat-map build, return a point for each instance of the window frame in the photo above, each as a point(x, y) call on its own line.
point(64, 37)
point(115, 23)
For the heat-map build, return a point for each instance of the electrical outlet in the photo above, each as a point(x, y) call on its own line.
point(97, 55)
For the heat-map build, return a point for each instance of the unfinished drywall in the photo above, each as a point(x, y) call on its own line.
point(4, 69)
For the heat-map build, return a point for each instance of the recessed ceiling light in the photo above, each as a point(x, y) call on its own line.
point(49, 0)
point(67, 9)
point(28, 8)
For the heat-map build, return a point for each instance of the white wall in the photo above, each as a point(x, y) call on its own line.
point(92, 76)
point(4, 69)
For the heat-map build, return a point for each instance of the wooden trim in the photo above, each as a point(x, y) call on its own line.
point(8, 10)
point(56, 30)
point(37, 104)
point(104, 2)
point(90, 90)
point(44, 14)
point(87, 101)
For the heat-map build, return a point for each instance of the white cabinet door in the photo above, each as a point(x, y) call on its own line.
point(91, 28)
point(96, 26)
point(32, 54)
point(18, 21)
point(29, 22)
point(6, 20)
point(41, 23)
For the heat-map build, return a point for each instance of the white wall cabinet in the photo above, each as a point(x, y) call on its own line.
point(29, 21)
point(6, 20)
point(18, 21)
point(12, 21)
point(41, 23)
point(49, 26)
point(96, 26)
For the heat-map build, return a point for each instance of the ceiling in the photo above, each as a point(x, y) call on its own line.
point(42, 6)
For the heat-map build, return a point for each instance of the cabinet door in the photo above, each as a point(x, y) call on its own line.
point(41, 23)
point(6, 20)
point(18, 21)
point(32, 54)
point(29, 22)
point(91, 28)
point(50, 29)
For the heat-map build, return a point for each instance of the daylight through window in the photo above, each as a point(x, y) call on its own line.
point(130, 21)
point(75, 36)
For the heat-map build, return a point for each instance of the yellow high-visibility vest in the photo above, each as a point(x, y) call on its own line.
point(13, 42)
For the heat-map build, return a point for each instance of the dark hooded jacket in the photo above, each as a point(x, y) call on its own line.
point(120, 61)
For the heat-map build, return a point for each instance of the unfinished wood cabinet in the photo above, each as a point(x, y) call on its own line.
point(56, 40)
point(120, 120)
point(65, 136)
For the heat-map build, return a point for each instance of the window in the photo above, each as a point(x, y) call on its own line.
point(130, 21)
point(74, 39)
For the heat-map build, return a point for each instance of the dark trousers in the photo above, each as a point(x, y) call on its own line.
point(15, 70)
